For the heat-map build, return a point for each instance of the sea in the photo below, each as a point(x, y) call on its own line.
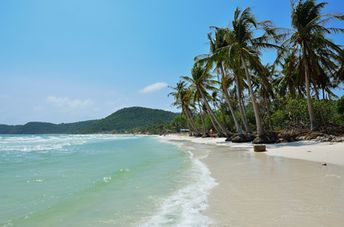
point(100, 180)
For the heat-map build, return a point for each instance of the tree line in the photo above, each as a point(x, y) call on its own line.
point(231, 90)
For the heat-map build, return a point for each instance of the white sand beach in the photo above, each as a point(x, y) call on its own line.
point(304, 150)
point(287, 186)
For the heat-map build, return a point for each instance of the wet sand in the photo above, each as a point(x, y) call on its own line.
point(260, 190)
point(256, 189)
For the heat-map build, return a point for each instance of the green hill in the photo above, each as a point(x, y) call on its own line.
point(121, 121)
point(130, 118)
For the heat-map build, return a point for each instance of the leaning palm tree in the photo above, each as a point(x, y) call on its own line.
point(202, 116)
point(216, 58)
point(264, 88)
point(182, 97)
point(240, 85)
point(201, 80)
point(319, 57)
point(244, 47)
point(230, 72)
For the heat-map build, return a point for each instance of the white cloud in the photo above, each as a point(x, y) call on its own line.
point(154, 87)
point(66, 102)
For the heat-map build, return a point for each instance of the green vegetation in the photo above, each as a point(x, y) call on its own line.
point(231, 91)
point(294, 114)
point(127, 120)
point(44, 128)
point(133, 119)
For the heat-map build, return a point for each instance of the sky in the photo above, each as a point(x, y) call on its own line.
point(74, 60)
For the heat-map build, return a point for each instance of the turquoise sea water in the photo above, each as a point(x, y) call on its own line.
point(99, 180)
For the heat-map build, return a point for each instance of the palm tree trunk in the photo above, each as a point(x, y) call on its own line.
point(267, 107)
point(227, 99)
point(323, 93)
point(241, 106)
point(260, 130)
point(211, 117)
point(316, 92)
point(243, 112)
point(202, 120)
point(218, 126)
point(190, 120)
point(189, 126)
point(309, 97)
point(236, 123)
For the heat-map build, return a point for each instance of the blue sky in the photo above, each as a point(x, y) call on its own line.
point(71, 60)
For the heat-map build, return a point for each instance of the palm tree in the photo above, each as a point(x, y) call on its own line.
point(244, 47)
point(240, 85)
point(201, 115)
point(264, 89)
point(201, 81)
point(229, 68)
point(290, 84)
point(217, 58)
point(319, 57)
point(182, 97)
point(198, 103)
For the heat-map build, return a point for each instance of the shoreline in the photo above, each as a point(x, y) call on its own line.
point(186, 206)
point(322, 152)
point(288, 185)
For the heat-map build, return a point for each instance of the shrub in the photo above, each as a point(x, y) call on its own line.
point(294, 113)
point(340, 107)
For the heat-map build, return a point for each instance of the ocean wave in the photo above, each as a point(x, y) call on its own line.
point(184, 208)
point(107, 179)
point(28, 143)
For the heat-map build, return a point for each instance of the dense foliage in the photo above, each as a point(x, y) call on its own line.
point(230, 90)
point(293, 113)
point(128, 119)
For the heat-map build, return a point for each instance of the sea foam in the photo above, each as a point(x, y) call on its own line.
point(37, 143)
point(184, 208)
